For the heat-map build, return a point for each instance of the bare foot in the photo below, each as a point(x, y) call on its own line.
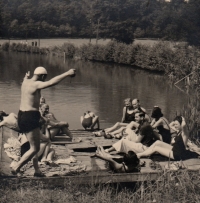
point(44, 160)
point(17, 173)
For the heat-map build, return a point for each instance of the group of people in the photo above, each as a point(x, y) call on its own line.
point(140, 135)
point(143, 136)
point(34, 120)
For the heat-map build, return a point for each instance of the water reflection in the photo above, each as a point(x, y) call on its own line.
point(97, 87)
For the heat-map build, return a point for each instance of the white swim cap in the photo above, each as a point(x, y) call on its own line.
point(40, 70)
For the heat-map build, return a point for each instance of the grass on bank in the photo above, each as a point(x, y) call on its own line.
point(181, 186)
point(175, 60)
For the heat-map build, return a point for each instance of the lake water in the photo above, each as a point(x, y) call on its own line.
point(97, 87)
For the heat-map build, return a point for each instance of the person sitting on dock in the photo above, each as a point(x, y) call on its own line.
point(29, 115)
point(127, 164)
point(131, 108)
point(89, 120)
point(55, 127)
point(161, 124)
point(137, 140)
point(9, 120)
point(177, 150)
point(42, 101)
point(45, 154)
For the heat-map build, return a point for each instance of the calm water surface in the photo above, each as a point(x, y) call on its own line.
point(97, 87)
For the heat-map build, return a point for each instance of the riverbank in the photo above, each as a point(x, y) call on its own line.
point(179, 186)
point(175, 60)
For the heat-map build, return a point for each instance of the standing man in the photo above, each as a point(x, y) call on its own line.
point(29, 115)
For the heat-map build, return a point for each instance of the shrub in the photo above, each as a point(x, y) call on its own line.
point(69, 50)
point(5, 46)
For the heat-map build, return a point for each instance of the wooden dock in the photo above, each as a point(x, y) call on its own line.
point(89, 169)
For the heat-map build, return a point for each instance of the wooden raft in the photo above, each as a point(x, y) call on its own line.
point(96, 170)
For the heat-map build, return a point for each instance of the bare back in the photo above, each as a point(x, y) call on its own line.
point(30, 96)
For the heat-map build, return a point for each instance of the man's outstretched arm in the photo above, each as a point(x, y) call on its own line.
point(55, 80)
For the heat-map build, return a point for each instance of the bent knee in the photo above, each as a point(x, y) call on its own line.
point(157, 143)
point(35, 149)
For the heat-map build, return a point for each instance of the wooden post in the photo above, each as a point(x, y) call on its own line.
point(97, 36)
point(64, 56)
point(142, 190)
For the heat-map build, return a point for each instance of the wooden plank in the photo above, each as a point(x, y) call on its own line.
point(63, 142)
point(96, 178)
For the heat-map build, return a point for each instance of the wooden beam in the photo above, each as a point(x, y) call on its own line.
point(84, 179)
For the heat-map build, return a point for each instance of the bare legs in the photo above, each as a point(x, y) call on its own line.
point(34, 139)
point(114, 127)
point(55, 130)
point(95, 121)
point(160, 147)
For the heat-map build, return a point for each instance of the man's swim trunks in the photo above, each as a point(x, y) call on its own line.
point(28, 120)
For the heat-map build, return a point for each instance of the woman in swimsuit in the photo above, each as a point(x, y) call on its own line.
point(130, 109)
point(89, 120)
point(160, 123)
point(128, 113)
point(178, 148)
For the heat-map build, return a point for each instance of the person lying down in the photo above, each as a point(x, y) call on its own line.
point(126, 164)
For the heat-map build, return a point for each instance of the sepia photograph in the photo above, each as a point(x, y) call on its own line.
point(100, 101)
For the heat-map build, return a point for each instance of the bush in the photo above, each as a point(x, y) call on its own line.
point(69, 50)
point(5, 46)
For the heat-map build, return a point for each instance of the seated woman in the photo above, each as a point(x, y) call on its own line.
point(130, 109)
point(89, 120)
point(130, 162)
point(160, 123)
point(54, 125)
point(45, 154)
point(178, 148)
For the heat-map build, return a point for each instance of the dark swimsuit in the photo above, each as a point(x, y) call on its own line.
point(28, 120)
point(179, 150)
point(87, 122)
point(166, 134)
point(129, 117)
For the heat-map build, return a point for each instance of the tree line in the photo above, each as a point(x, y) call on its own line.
point(123, 20)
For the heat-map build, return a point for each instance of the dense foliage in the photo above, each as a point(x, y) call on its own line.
point(120, 19)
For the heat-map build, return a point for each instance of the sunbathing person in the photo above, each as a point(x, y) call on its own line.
point(55, 127)
point(45, 154)
point(133, 108)
point(129, 163)
point(89, 120)
point(178, 149)
point(161, 124)
point(138, 140)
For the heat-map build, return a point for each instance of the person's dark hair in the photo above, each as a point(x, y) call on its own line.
point(131, 159)
point(141, 114)
point(156, 112)
point(2, 114)
point(179, 119)
point(87, 112)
